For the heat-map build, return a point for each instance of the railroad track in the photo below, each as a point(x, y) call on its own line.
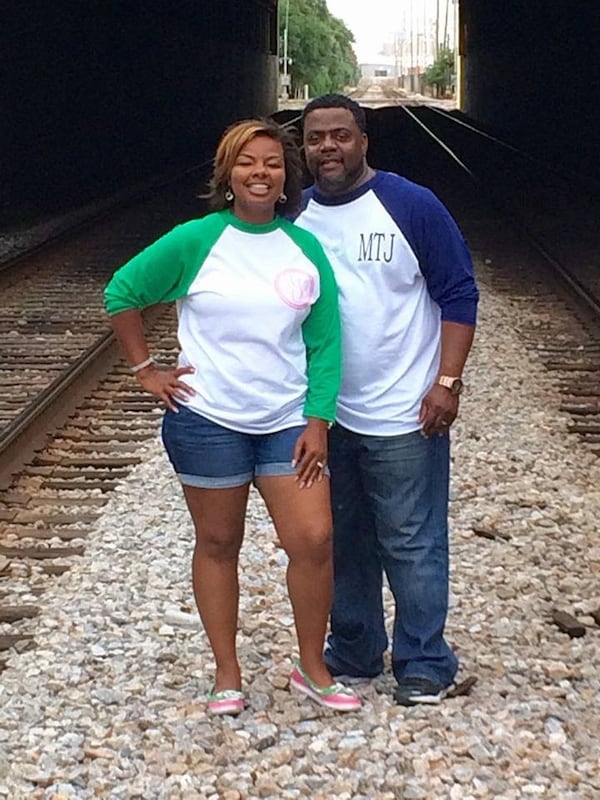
point(536, 223)
point(555, 209)
point(378, 95)
point(62, 469)
point(555, 214)
point(72, 419)
point(46, 513)
point(53, 319)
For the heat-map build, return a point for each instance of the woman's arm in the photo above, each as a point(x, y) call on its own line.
point(162, 382)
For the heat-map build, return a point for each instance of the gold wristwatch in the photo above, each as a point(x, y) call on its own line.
point(454, 384)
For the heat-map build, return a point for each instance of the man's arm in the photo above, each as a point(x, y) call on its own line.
point(456, 342)
point(440, 406)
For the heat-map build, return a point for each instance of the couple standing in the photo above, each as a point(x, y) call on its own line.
point(259, 384)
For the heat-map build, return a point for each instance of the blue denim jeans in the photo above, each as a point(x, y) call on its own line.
point(390, 513)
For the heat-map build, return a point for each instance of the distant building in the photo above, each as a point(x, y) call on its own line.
point(380, 67)
point(409, 49)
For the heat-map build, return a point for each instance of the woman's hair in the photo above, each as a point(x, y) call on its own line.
point(233, 140)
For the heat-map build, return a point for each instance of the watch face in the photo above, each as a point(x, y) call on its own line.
point(457, 386)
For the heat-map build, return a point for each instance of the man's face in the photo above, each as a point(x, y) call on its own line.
point(335, 150)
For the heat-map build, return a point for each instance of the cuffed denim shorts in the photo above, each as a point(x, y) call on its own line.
point(209, 456)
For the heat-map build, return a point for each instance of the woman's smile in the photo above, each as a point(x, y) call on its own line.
point(257, 180)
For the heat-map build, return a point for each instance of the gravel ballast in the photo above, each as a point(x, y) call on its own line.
point(110, 703)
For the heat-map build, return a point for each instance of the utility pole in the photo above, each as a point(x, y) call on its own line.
point(459, 52)
point(412, 51)
point(285, 78)
point(446, 43)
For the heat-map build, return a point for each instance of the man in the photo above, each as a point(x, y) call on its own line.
point(408, 302)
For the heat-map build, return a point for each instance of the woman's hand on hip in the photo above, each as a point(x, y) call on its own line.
point(165, 383)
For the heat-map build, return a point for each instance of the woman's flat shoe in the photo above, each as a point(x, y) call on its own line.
point(336, 696)
point(227, 701)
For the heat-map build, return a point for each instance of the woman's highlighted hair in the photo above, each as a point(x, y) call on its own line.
point(234, 140)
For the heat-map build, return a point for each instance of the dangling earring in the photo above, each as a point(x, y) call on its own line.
point(282, 198)
point(229, 195)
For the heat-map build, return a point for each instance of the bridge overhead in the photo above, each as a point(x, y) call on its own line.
point(532, 74)
point(96, 93)
point(93, 94)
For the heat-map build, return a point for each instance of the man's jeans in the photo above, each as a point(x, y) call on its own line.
point(390, 510)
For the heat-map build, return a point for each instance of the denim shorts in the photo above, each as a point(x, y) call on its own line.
point(209, 456)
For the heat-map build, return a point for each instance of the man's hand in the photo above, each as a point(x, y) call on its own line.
point(438, 410)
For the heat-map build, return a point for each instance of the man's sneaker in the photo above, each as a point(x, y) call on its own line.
point(345, 677)
point(336, 696)
point(411, 691)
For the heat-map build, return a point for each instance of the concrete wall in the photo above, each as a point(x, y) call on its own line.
point(94, 93)
point(532, 75)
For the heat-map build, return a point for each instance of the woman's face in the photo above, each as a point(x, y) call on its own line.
point(257, 179)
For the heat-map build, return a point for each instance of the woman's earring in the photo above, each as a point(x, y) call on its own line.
point(282, 198)
point(229, 195)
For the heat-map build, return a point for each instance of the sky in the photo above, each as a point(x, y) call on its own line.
point(373, 21)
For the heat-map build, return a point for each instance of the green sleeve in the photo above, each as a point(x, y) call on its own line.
point(164, 271)
point(322, 334)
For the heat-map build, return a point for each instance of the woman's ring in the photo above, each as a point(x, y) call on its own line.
point(320, 464)
point(443, 422)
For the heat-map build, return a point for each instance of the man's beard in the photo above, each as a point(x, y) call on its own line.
point(341, 184)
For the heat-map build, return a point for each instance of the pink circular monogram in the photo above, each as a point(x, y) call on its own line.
point(295, 287)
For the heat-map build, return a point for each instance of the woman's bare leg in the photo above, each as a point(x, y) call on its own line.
point(218, 516)
point(302, 519)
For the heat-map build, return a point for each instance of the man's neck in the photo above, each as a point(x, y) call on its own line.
point(366, 174)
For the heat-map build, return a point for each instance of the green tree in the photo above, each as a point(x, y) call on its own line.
point(441, 73)
point(319, 47)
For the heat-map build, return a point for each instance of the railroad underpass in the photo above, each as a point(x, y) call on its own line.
point(95, 96)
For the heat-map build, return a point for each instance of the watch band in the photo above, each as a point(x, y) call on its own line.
point(447, 381)
point(454, 384)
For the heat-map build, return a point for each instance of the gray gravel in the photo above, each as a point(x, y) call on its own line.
point(111, 702)
point(16, 239)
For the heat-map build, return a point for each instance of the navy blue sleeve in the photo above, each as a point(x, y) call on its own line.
point(438, 244)
point(306, 195)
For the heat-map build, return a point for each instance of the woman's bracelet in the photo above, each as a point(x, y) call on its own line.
point(142, 364)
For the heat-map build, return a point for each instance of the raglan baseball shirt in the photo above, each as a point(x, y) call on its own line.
point(402, 267)
point(257, 314)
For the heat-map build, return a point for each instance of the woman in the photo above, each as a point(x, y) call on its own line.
point(258, 326)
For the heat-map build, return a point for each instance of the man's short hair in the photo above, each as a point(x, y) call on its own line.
point(338, 101)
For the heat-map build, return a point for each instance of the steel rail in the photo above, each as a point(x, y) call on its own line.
point(28, 431)
point(53, 391)
point(589, 184)
point(441, 144)
point(588, 297)
point(111, 205)
point(47, 404)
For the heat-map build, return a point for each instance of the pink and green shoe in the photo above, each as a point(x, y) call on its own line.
point(227, 701)
point(337, 696)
